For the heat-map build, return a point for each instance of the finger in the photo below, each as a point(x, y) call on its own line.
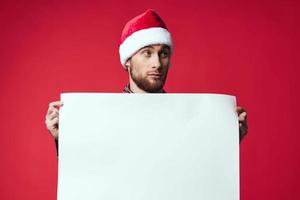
point(51, 110)
point(240, 109)
point(51, 124)
point(55, 103)
point(242, 116)
point(53, 115)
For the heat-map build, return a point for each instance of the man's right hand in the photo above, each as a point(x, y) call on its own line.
point(52, 118)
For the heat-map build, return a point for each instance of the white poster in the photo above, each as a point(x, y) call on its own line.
point(148, 147)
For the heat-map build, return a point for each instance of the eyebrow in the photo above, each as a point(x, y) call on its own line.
point(149, 46)
point(145, 47)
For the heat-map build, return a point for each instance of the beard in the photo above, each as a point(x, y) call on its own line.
point(154, 85)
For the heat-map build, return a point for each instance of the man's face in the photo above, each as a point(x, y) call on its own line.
point(148, 68)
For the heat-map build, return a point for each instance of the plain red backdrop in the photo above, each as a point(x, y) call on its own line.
point(243, 48)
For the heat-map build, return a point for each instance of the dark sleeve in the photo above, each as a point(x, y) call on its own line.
point(56, 145)
point(241, 137)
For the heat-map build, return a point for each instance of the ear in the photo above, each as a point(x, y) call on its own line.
point(127, 64)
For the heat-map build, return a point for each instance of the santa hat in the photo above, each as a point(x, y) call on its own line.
point(143, 30)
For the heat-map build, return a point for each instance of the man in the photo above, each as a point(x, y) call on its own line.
point(145, 52)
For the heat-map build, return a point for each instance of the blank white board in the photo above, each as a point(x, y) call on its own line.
point(148, 147)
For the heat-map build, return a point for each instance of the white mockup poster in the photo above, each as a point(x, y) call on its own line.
point(148, 147)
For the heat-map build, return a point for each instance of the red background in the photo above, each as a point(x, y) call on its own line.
point(247, 49)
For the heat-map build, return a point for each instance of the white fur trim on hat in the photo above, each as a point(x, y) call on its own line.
point(144, 38)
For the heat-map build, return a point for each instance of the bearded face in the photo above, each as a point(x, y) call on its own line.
point(152, 81)
point(148, 68)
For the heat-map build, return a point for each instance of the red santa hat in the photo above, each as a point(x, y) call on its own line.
point(143, 30)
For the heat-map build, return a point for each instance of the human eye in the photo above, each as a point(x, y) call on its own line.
point(146, 52)
point(164, 54)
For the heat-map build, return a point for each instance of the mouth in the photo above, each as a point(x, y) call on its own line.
point(154, 75)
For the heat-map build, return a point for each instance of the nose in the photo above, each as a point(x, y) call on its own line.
point(156, 62)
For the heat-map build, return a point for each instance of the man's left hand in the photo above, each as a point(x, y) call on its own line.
point(243, 127)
